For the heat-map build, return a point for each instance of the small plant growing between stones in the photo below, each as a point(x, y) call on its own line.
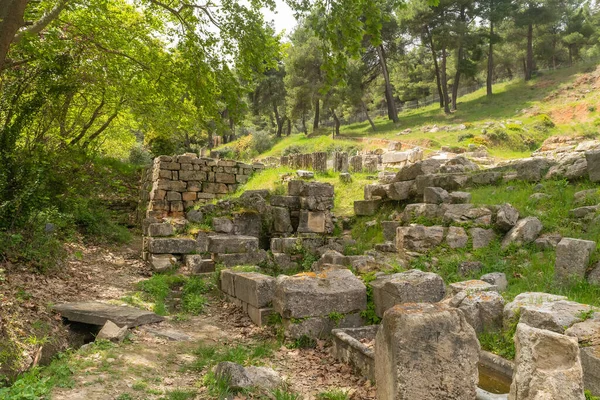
point(303, 342)
point(585, 315)
point(335, 394)
point(336, 317)
point(369, 314)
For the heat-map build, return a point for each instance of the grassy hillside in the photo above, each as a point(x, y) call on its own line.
point(521, 115)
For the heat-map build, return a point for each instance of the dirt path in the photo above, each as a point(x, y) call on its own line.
point(158, 361)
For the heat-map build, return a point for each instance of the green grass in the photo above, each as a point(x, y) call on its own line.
point(38, 382)
point(159, 287)
point(334, 394)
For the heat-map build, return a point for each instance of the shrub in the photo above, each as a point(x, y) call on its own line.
point(546, 121)
point(514, 127)
point(261, 141)
point(139, 155)
point(293, 149)
point(465, 136)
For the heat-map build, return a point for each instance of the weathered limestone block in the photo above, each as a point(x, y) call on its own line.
point(319, 327)
point(483, 310)
point(513, 309)
point(239, 377)
point(389, 229)
point(593, 165)
point(162, 262)
point(482, 237)
point(232, 244)
point(199, 176)
point(340, 162)
point(222, 225)
point(163, 229)
point(376, 190)
point(468, 268)
point(445, 181)
point(590, 361)
point(554, 316)
point(306, 189)
point(236, 259)
point(457, 237)
point(507, 217)
point(356, 164)
point(465, 213)
point(497, 279)
point(199, 265)
point(412, 171)
point(394, 157)
point(282, 222)
point(320, 161)
point(418, 237)
point(167, 184)
point(417, 210)
point(572, 259)
point(290, 202)
point(216, 188)
point(370, 164)
point(413, 286)
point(547, 366)
point(366, 207)
point(345, 177)
point(426, 351)
point(314, 203)
point(316, 295)
point(96, 313)
point(254, 288)
point(168, 165)
point(401, 190)
point(459, 198)
point(225, 177)
point(435, 195)
point(172, 245)
point(471, 286)
point(314, 222)
point(525, 231)
point(247, 223)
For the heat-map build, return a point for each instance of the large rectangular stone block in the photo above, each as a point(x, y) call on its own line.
point(572, 258)
point(289, 202)
point(310, 294)
point(192, 176)
point(232, 244)
point(167, 184)
point(254, 288)
point(222, 177)
point(172, 245)
point(217, 188)
point(312, 222)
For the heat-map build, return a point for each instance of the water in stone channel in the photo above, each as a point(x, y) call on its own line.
point(493, 382)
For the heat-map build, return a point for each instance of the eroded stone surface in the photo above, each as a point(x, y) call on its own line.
point(95, 313)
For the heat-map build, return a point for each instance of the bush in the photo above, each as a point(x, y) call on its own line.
point(261, 141)
point(293, 149)
point(497, 135)
point(139, 155)
point(546, 121)
point(514, 127)
point(465, 136)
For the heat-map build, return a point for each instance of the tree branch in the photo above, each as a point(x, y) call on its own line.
point(42, 23)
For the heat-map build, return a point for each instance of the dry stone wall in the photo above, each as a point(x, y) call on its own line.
point(175, 183)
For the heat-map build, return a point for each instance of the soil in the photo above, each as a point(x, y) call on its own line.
point(148, 364)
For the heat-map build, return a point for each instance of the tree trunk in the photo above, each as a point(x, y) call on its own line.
point(289, 126)
point(490, 63)
point(279, 120)
point(304, 128)
point(367, 115)
point(570, 55)
point(337, 122)
point(11, 19)
point(437, 68)
point(317, 115)
point(389, 95)
point(529, 63)
point(445, 81)
point(459, 57)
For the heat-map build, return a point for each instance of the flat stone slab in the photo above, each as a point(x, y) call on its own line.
point(96, 313)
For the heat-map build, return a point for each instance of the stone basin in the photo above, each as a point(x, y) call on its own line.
point(356, 347)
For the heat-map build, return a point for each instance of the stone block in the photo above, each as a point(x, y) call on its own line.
point(419, 238)
point(435, 195)
point(556, 316)
point(260, 316)
point(312, 295)
point(426, 351)
point(590, 362)
point(189, 196)
point(482, 310)
point(593, 165)
point(199, 265)
point(457, 237)
point(537, 299)
point(224, 177)
point(413, 286)
point(366, 207)
point(401, 190)
point(525, 231)
point(172, 245)
point(312, 222)
point(459, 198)
point(161, 229)
point(394, 157)
point(572, 259)
point(471, 286)
point(200, 176)
point(254, 288)
point(482, 237)
point(376, 190)
point(289, 202)
point(319, 327)
point(216, 188)
point(236, 259)
point(547, 366)
point(162, 262)
point(389, 229)
point(226, 244)
point(222, 225)
point(497, 279)
point(506, 217)
point(167, 184)
point(169, 165)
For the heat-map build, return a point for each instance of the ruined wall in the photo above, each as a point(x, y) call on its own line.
point(175, 183)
